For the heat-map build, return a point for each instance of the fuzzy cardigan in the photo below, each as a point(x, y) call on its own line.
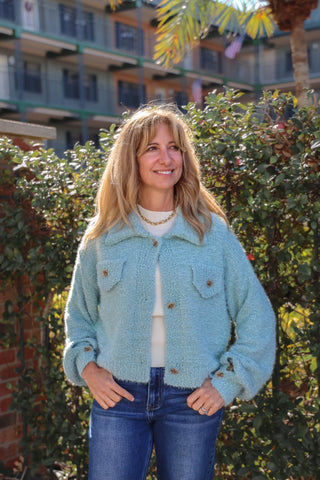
point(205, 287)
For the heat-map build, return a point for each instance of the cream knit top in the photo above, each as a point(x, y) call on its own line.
point(158, 331)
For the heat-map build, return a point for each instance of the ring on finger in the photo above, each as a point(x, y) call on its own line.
point(204, 411)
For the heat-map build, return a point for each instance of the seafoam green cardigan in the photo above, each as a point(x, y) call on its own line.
point(205, 286)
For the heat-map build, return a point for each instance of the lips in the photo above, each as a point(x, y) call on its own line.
point(164, 172)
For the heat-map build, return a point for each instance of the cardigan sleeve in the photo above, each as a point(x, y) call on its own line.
point(248, 363)
point(81, 315)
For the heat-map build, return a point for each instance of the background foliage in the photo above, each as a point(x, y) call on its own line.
point(263, 164)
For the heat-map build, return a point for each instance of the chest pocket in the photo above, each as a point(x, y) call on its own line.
point(109, 273)
point(208, 280)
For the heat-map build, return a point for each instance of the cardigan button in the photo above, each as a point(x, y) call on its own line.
point(155, 243)
point(174, 371)
point(171, 305)
point(87, 349)
point(209, 283)
point(105, 273)
point(219, 374)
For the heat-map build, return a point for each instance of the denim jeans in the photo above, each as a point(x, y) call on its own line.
point(121, 438)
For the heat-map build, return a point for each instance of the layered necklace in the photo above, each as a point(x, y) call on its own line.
point(172, 214)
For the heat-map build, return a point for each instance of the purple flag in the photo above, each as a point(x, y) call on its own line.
point(234, 48)
point(197, 91)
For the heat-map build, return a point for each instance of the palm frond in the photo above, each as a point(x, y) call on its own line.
point(258, 23)
point(228, 19)
point(181, 24)
point(114, 4)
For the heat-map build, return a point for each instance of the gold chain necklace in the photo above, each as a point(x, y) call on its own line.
point(156, 223)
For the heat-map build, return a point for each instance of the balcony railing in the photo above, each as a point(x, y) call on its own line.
point(280, 72)
point(102, 31)
point(63, 22)
point(65, 93)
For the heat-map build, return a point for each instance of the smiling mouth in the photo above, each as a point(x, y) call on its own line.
point(164, 172)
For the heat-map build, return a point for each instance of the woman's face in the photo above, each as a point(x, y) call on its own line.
point(160, 165)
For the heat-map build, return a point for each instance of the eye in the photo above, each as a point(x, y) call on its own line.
point(152, 148)
point(175, 148)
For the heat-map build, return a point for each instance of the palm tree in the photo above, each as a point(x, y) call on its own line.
point(182, 23)
point(290, 16)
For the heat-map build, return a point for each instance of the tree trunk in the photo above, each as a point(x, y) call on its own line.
point(300, 61)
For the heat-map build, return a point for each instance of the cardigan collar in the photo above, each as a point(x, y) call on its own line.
point(180, 229)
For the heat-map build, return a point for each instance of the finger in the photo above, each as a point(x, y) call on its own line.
point(107, 399)
point(213, 410)
point(198, 404)
point(193, 397)
point(201, 412)
point(113, 386)
point(101, 402)
point(123, 392)
point(197, 399)
point(112, 396)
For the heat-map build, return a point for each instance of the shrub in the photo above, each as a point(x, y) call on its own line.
point(263, 166)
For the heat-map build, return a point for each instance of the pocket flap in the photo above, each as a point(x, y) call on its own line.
point(109, 273)
point(207, 279)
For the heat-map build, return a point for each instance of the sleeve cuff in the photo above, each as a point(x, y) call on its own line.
point(86, 355)
point(224, 382)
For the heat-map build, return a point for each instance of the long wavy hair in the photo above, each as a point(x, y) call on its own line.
point(118, 192)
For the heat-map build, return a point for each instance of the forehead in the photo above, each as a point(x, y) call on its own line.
point(161, 127)
point(162, 131)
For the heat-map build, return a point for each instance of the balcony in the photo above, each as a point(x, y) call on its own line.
point(281, 72)
point(65, 93)
point(65, 23)
point(56, 31)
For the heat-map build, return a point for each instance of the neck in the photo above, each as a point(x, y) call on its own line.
point(162, 202)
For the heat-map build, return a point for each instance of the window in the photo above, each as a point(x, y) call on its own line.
point(32, 77)
point(160, 95)
point(69, 23)
point(180, 98)
point(29, 78)
point(314, 57)
point(210, 60)
point(70, 84)
point(71, 88)
point(284, 64)
point(90, 86)
point(88, 29)
point(127, 38)
point(128, 94)
point(288, 63)
point(7, 9)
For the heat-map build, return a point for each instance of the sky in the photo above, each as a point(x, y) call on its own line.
point(246, 3)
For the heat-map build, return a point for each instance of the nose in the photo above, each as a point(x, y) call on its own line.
point(165, 156)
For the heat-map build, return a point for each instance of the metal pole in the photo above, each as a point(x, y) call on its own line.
point(19, 72)
point(82, 98)
point(140, 51)
point(184, 98)
point(257, 69)
point(18, 62)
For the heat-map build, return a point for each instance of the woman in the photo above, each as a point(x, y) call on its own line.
point(158, 280)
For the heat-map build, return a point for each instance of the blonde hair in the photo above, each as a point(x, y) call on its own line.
point(119, 186)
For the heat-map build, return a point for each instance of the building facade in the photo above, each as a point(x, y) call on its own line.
point(77, 65)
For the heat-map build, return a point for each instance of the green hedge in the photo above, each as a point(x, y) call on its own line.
point(263, 164)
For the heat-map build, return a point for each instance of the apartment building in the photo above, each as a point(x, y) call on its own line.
point(77, 65)
point(273, 61)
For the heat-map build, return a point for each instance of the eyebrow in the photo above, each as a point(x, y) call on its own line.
point(156, 143)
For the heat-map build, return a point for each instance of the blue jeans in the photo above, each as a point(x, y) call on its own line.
point(121, 438)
